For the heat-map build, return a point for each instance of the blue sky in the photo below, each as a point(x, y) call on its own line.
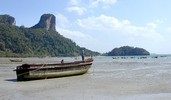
point(101, 25)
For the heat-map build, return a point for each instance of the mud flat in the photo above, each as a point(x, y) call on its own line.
point(108, 79)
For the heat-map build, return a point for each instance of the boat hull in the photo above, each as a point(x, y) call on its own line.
point(57, 73)
point(42, 71)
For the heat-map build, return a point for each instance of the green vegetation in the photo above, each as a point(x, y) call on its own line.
point(127, 51)
point(6, 19)
point(27, 42)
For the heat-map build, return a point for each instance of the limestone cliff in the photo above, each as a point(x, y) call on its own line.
point(47, 21)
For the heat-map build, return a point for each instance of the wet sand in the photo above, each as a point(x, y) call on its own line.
point(106, 80)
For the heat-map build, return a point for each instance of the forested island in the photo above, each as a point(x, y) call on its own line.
point(40, 40)
point(127, 51)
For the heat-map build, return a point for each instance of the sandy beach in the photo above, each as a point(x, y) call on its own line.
point(107, 79)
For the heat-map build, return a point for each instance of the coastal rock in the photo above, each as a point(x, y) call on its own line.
point(128, 51)
point(47, 21)
point(7, 19)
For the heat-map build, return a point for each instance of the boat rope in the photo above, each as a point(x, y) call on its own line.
point(31, 71)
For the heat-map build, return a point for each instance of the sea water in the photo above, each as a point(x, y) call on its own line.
point(109, 78)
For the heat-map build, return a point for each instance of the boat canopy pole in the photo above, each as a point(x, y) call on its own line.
point(82, 53)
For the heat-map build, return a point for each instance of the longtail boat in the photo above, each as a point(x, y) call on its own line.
point(26, 72)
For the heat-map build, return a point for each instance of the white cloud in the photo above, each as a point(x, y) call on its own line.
point(76, 6)
point(80, 38)
point(115, 26)
point(168, 29)
point(65, 28)
point(62, 21)
point(74, 2)
point(160, 21)
point(96, 3)
point(106, 32)
point(99, 23)
point(72, 34)
point(152, 25)
point(112, 32)
point(81, 6)
point(78, 10)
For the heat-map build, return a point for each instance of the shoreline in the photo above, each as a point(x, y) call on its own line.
point(107, 79)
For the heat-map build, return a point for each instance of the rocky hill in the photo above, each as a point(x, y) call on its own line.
point(7, 19)
point(40, 40)
point(127, 51)
point(47, 21)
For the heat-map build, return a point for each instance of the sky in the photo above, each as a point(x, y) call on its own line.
point(101, 25)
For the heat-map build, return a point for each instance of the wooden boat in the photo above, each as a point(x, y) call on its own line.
point(15, 60)
point(39, 71)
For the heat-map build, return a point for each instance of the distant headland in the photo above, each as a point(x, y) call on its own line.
point(127, 51)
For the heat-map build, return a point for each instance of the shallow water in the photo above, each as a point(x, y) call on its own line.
point(108, 79)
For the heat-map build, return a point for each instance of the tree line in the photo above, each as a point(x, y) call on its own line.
point(24, 42)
